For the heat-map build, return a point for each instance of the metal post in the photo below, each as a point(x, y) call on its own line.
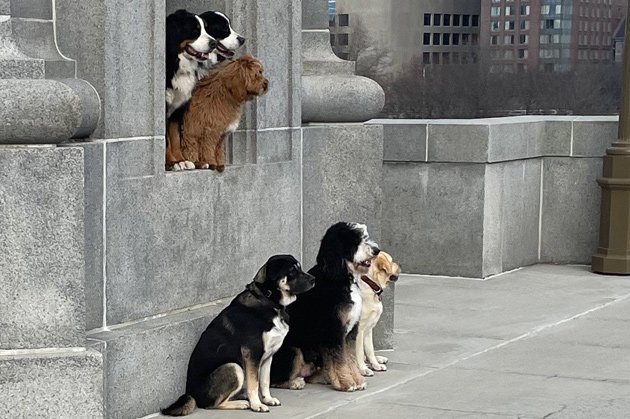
point(613, 253)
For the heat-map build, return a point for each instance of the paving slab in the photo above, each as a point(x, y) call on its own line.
point(543, 341)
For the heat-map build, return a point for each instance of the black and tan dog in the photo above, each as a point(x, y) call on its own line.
point(237, 347)
point(322, 318)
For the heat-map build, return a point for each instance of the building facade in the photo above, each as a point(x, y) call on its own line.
point(405, 34)
point(552, 35)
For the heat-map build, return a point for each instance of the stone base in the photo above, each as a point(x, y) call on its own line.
point(51, 384)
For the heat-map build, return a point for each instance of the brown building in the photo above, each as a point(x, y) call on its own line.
point(553, 35)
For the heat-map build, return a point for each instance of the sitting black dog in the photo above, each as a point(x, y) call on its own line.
point(238, 345)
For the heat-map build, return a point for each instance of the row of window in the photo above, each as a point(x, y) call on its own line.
point(510, 25)
point(595, 12)
point(447, 19)
point(450, 39)
point(594, 55)
point(583, 39)
point(509, 39)
point(509, 54)
point(342, 38)
point(448, 58)
point(588, 39)
point(595, 26)
point(510, 11)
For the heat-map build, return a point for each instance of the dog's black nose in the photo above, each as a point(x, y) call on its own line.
point(376, 251)
point(212, 44)
point(240, 40)
point(393, 278)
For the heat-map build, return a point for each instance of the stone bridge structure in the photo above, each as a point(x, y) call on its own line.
point(110, 267)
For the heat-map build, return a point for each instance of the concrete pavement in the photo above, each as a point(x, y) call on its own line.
point(541, 342)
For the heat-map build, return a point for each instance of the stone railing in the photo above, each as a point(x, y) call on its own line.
point(479, 197)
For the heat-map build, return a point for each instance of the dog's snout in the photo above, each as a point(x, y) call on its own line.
point(240, 40)
point(393, 278)
point(375, 250)
point(212, 44)
point(266, 85)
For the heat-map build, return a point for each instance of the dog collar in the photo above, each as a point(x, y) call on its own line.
point(375, 287)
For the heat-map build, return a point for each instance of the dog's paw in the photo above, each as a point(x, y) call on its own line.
point(366, 372)
point(259, 407)
point(220, 168)
point(297, 384)
point(188, 165)
point(382, 359)
point(378, 367)
point(241, 404)
point(212, 166)
point(271, 401)
point(361, 386)
point(176, 167)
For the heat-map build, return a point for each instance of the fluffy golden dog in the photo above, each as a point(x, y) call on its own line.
point(383, 270)
point(215, 111)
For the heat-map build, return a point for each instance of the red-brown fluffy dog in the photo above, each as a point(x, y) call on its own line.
point(215, 110)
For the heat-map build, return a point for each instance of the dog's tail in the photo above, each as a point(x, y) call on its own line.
point(182, 407)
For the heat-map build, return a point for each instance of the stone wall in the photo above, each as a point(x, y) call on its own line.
point(479, 197)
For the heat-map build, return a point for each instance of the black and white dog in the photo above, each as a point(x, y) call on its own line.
point(219, 27)
point(194, 44)
point(322, 318)
point(238, 345)
point(187, 45)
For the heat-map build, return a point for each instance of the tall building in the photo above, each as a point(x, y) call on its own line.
point(548, 34)
point(399, 35)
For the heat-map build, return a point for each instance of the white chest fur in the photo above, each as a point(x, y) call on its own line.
point(272, 339)
point(183, 82)
point(355, 311)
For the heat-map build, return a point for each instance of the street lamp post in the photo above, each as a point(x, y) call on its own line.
point(613, 253)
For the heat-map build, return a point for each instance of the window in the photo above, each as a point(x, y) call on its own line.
point(494, 40)
point(509, 10)
point(465, 39)
point(426, 39)
point(508, 54)
point(455, 20)
point(455, 39)
point(427, 19)
point(495, 11)
point(331, 20)
point(524, 10)
point(332, 39)
point(446, 39)
point(435, 58)
point(558, 9)
point(494, 25)
point(474, 39)
point(509, 25)
point(426, 58)
point(436, 39)
point(343, 20)
point(508, 40)
point(523, 39)
point(521, 68)
point(546, 24)
point(465, 20)
point(524, 25)
point(545, 9)
point(447, 20)
point(455, 58)
point(437, 18)
point(446, 58)
point(343, 38)
point(475, 20)
point(522, 53)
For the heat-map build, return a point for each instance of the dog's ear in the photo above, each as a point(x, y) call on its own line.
point(261, 275)
point(236, 80)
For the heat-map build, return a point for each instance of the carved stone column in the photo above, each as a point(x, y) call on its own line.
point(331, 92)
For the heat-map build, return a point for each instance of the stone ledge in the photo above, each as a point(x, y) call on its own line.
point(494, 140)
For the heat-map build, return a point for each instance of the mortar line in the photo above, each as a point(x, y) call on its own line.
point(426, 144)
point(526, 335)
point(540, 207)
point(571, 143)
point(104, 233)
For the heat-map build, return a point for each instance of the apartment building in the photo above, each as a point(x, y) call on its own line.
point(553, 35)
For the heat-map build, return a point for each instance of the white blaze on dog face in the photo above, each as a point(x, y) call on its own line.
point(232, 41)
point(204, 42)
point(365, 250)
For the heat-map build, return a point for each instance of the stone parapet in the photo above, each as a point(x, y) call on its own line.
point(479, 197)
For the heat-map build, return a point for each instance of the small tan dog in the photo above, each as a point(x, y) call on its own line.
point(383, 270)
point(215, 110)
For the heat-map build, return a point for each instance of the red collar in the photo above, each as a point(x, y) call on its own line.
point(375, 287)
